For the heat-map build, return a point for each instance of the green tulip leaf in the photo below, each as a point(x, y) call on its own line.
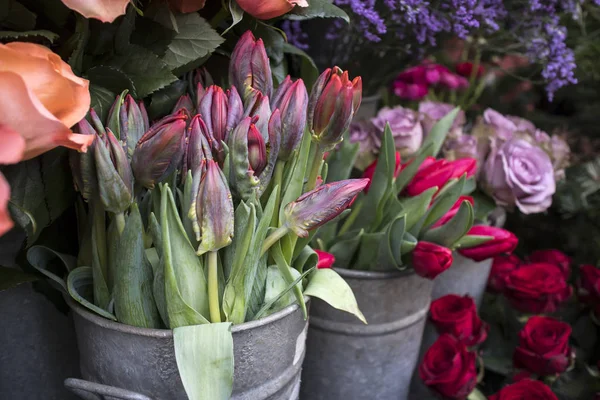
point(468, 241)
point(306, 259)
point(342, 160)
point(345, 248)
point(288, 275)
point(100, 258)
point(416, 207)
point(394, 236)
point(49, 263)
point(368, 251)
point(409, 242)
point(437, 134)
point(410, 169)
point(444, 201)
point(452, 231)
point(79, 286)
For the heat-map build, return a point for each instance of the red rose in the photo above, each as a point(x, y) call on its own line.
point(370, 170)
point(588, 286)
point(501, 267)
point(536, 288)
point(525, 389)
point(466, 69)
point(326, 259)
point(503, 242)
point(543, 346)
point(555, 257)
point(452, 212)
point(457, 316)
point(430, 259)
point(449, 368)
point(436, 173)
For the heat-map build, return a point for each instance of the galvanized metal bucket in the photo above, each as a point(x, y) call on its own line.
point(268, 356)
point(465, 276)
point(368, 108)
point(348, 360)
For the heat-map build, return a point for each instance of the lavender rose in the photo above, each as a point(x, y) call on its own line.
point(432, 112)
point(405, 125)
point(519, 173)
point(464, 146)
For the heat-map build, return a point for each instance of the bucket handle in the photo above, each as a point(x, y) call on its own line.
point(96, 391)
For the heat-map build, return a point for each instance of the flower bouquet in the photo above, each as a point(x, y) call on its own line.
point(200, 223)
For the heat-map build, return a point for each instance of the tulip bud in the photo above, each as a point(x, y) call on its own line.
point(113, 173)
point(326, 260)
point(291, 99)
point(128, 120)
point(197, 148)
point(332, 104)
point(249, 67)
point(257, 106)
point(430, 259)
point(257, 151)
point(212, 210)
point(198, 80)
point(321, 205)
point(159, 151)
point(221, 112)
point(184, 103)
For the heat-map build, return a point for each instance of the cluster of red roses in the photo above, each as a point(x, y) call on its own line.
point(414, 83)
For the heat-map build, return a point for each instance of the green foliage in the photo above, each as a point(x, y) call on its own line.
point(318, 9)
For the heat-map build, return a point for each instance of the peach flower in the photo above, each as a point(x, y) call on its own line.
point(267, 9)
point(41, 99)
point(104, 10)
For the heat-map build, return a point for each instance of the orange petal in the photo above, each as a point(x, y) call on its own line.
point(12, 145)
point(25, 114)
point(267, 9)
point(187, 6)
point(104, 10)
point(62, 93)
point(5, 222)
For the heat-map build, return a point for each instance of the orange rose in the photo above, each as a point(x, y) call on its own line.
point(41, 98)
point(104, 10)
point(267, 9)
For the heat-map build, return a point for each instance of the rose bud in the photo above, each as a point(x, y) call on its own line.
point(249, 67)
point(113, 173)
point(211, 210)
point(503, 242)
point(221, 111)
point(502, 265)
point(452, 212)
point(543, 346)
point(321, 205)
point(326, 260)
point(588, 287)
point(430, 259)
point(184, 103)
point(197, 148)
point(291, 99)
point(128, 120)
point(159, 152)
point(449, 369)
point(370, 170)
point(536, 288)
point(457, 315)
point(332, 104)
point(257, 106)
point(525, 389)
point(556, 257)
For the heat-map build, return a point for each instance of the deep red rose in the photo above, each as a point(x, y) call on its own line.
point(457, 315)
point(536, 288)
point(588, 286)
point(410, 91)
point(555, 257)
point(370, 170)
point(466, 69)
point(430, 259)
point(436, 173)
point(504, 242)
point(449, 368)
point(543, 346)
point(452, 212)
point(326, 259)
point(503, 264)
point(525, 389)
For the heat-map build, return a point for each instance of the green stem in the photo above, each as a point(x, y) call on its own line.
point(315, 169)
point(277, 180)
point(274, 238)
point(213, 288)
point(467, 93)
point(351, 218)
point(120, 220)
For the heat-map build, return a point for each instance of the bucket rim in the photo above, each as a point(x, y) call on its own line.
point(373, 275)
point(167, 333)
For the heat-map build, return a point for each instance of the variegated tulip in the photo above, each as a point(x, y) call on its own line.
point(197, 148)
point(291, 98)
point(249, 67)
point(128, 120)
point(184, 103)
point(221, 111)
point(257, 106)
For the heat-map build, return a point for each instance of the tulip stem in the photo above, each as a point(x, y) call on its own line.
point(120, 220)
point(278, 178)
point(213, 288)
point(351, 218)
point(315, 169)
point(274, 238)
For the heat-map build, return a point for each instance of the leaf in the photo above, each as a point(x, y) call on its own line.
point(113, 79)
point(77, 43)
point(195, 40)
point(409, 242)
point(416, 207)
point(50, 262)
point(410, 170)
point(345, 249)
point(268, 305)
point(15, 16)
point(444, 201)
point(148, 72)
point(152, 35)
point(329, 286)
point(102, 100)
point(204, 355)
point(163, 101)
point(476, 395)
point(186, 290)
point(438, 133)
point(275, 289)
point(50, 36)
point(12, 277)
point(308, 69)
point(306, 259)
point(342, 161)
point(396, 230)
point(318, 9)
point(132, 293)
point(79, 280)
point(237, 14)
point(452, 231)
point(472, 241)
point(288, 275)
point(368, 251)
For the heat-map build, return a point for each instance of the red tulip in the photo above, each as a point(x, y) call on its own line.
point(436, 173)
point(430, 259)
point(452, 212)
point(326, 259)
point(466, 69)
point(503, 242)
